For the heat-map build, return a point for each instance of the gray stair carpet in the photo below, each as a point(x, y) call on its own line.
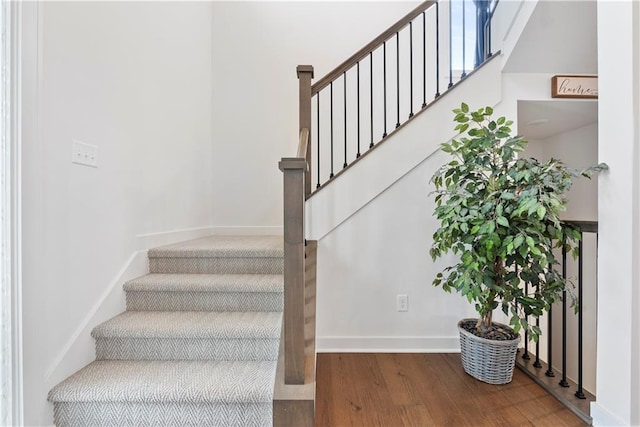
point(197, 345)
point(202, 292)
point(229, 255)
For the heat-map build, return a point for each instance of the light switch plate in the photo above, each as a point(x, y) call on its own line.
point(84, 154)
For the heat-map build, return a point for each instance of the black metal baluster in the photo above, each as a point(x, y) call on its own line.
point(371, 89)
point(397, 79)
point(525, 355)
point(464, 41)
point(384, 86)
point(488, 32)
point(563, 382)
point(344, 75)
point(549, 372)
point(410, 69)
point(318, 133)
point(536, 363)
point(331, 116)
point(424, 59)
point(450, 49)
point(579, 393)
point(437, 49)
point(358, 104)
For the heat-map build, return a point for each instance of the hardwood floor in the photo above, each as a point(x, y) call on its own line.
point(425, 390)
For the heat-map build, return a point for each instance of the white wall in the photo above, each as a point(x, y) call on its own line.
point(378, 253)
point(577, 148)
point(618, 398)
point(135, 80)
point(257, 46)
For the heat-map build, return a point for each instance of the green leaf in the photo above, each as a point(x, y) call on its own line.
point(488, 111)
point(464, 107)
point(518, 241)
point(502, 221)
point(542, 211)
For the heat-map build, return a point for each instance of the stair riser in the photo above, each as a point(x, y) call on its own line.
point(129, 414)
point(216, 265)
point(186, 349)
point(204, 301)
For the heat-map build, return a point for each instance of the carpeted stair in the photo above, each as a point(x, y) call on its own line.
point(197, 345)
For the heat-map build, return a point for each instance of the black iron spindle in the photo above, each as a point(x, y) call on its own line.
point(344, 75)
point(450, 49)
point(525, 355)
point(563, 382)
point(489, 38)
point(424, 59)
point(580, 393)
point(410, 69)
point(384, 86)
point(358, 104)
point(318, 135)
point(437, 49)
point(371, 90)
point(536, 363)
point(464, 41)
point(549, 372)
point(331, 121)
point(397, 79)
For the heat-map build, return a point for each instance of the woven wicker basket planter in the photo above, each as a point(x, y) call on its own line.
point(488, 360)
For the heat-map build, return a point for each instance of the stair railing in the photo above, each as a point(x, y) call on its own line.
point(294, 171)
point(341, 116)
point(385, 84)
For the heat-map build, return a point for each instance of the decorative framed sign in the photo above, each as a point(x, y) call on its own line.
point(574, 87)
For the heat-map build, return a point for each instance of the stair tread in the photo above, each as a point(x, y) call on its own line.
point(207, 283)
point(223, 247)
point(169, 381)
point(191, 324)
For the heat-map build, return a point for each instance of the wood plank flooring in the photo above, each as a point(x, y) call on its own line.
point(420, 390)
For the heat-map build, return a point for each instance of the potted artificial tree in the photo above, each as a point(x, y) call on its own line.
point(500, 214)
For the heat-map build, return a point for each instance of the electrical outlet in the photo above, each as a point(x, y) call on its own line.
point(403, 302)
point(84, 154)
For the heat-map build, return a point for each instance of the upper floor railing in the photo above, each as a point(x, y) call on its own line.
point(390, 80)
point(566, 334)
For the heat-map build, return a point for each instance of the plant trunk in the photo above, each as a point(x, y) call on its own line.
point(484, 322)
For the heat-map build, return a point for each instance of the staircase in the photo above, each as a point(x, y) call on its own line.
point(197, 344)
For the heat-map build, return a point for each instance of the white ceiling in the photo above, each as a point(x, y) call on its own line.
point(543, 119)
point(559, 38)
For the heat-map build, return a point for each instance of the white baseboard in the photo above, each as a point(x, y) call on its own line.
point(603, 418)
point(247, 230)
point(368, 344)
point(78, 350)
point(152, 240)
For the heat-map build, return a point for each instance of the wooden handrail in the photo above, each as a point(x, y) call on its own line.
point(370, 47)
point(303, 144)
point(305, 75)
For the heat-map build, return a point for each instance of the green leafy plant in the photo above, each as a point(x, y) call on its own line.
point(500, 214)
